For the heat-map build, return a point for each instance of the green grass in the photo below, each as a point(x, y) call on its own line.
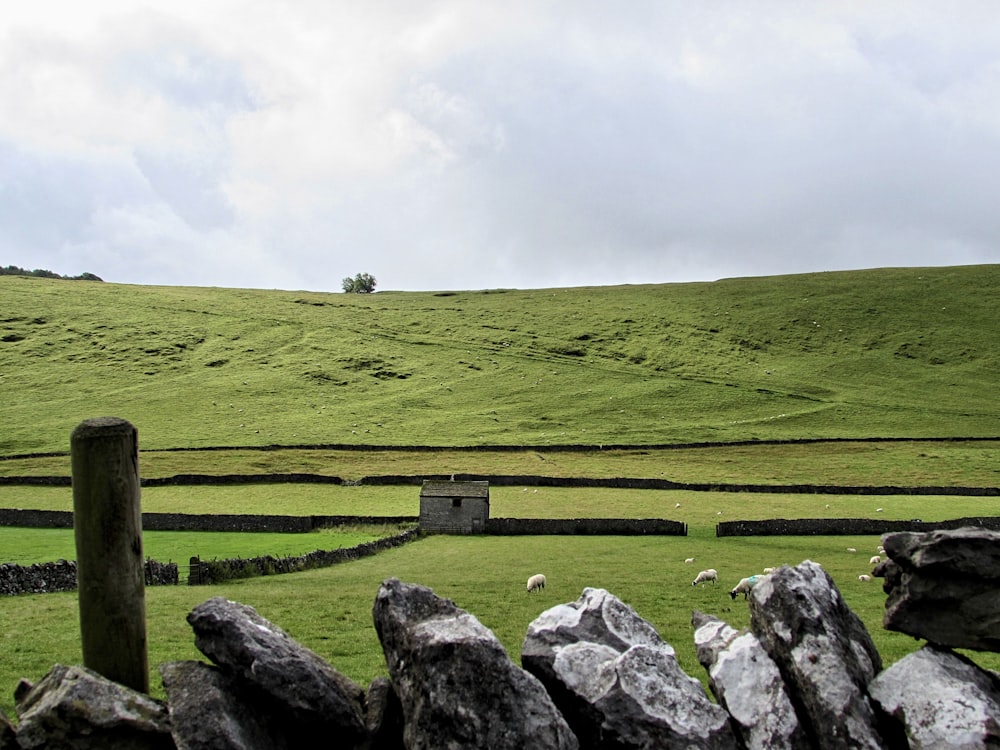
point(907, 353)
point(700, 510)
point(26, 546)
point(329, 610)
point(904, 464)
point(895, 352)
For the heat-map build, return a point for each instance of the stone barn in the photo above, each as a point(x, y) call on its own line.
point(450, 507)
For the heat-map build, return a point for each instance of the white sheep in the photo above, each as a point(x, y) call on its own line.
point(745, 586)
point(864, 577)
point(689, 560)
point(706, 575)
point(768, 571)
point(536, 582)
point(851, 549)
point(875, 560)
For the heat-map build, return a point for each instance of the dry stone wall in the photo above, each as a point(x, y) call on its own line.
point(594, 674)
point(44, 578)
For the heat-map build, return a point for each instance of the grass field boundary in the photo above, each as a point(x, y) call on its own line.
point(61, 575)
point(203, 572)
point(846, 526)
point(526, 480)
point(63, 519)
point(539, 448)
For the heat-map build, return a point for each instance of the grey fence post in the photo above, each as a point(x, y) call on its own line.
point(107, 523)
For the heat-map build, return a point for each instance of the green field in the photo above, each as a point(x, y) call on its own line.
point(329, 610)
point(880, 353)
point(27, 546)
point(688, 382)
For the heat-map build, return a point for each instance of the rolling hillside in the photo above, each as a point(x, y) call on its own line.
point(894, 352)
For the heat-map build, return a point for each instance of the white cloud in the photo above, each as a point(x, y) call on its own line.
point(472, 145)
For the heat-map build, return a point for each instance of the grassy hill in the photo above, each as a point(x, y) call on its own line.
point(909, 352)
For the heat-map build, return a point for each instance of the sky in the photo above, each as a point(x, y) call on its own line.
point(448, 144)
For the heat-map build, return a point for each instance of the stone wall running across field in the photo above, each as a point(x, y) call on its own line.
point(45, 578)
point(42, 578)
point(203, 572)
point(593, 674)
point(585, 526)
point(63, 519)
point(844, 526)
point(524, 480)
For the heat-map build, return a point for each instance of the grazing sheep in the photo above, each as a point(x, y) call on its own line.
point(745, 586)
point(536, 582)
point(768, 571)
point(851, 549)
point(864, 577)
point(706, 575)
point(875, 560)
point(689, 560)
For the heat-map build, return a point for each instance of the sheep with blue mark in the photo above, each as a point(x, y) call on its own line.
point(745, 586)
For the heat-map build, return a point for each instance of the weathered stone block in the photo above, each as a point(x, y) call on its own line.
point(944, 586)
point(748, 684)
point(616, 681)
point(942, 699)
point(321, 700)
point(824, 654)
point(211, 710)
point(457, 685)
point(74, 707)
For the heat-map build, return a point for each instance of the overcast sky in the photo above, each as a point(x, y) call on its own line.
point(475, 145)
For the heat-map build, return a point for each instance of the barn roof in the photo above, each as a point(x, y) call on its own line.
point(447, 488)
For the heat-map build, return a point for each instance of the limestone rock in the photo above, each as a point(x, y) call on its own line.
point(321, 700)
point(824, 654)
point(74, 707)
point(457, 686)
point(747, 683)
point(618, 684)
point(384, 715)
point(942, 699)
point(212, 710)
point(944, 586)
point(8, 734)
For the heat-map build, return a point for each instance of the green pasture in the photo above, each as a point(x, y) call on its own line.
point(880, 353)
point(26, 546)
point(903, 463)
point(700, 510)
point(693, 383)
point(329, 610)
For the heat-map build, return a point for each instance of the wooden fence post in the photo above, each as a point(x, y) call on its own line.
point(107, 523)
